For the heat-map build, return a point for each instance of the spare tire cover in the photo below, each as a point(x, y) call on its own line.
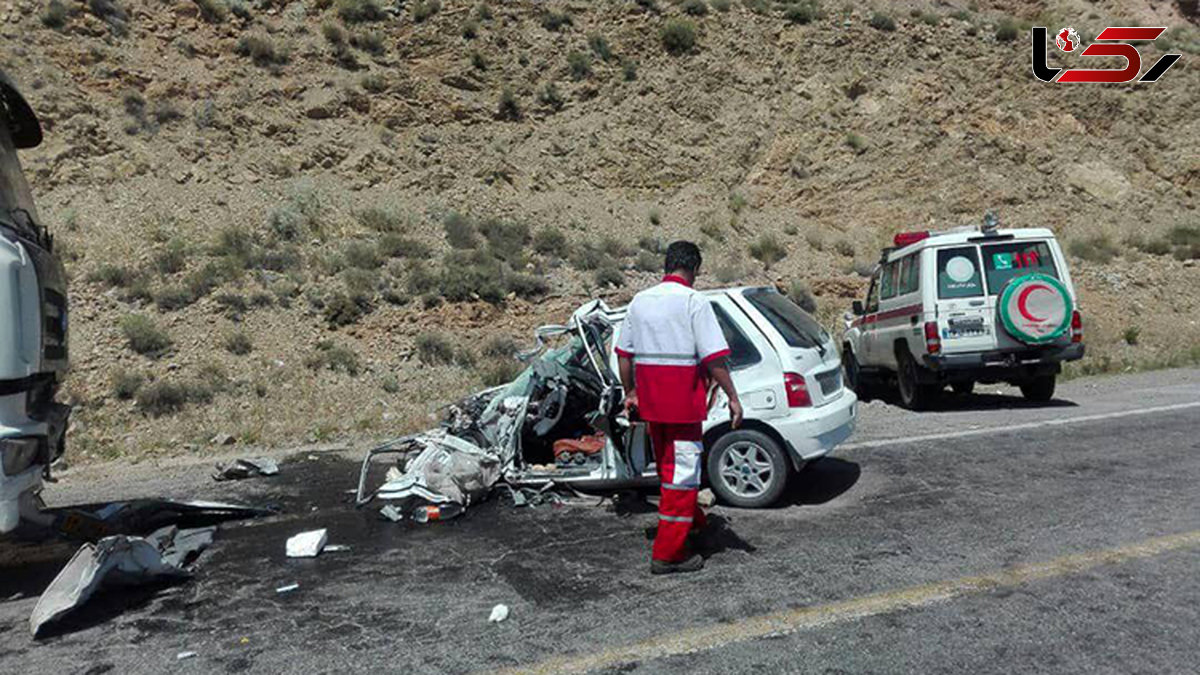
point(1035, 308)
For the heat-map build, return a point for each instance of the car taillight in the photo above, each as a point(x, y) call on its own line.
point(1076, 326)
point(797, 391)
point(933, 343)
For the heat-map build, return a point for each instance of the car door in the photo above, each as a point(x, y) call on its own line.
point(867, 323)
point(754, 365)
point(964, 318)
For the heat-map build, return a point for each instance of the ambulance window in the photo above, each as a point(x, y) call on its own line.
point(873, 294)
point(1002, 262)
point(887, 288)
point(909, 272)
point(741, 350)
point(958, 273)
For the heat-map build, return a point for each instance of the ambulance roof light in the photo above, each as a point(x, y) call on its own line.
point(903, 239)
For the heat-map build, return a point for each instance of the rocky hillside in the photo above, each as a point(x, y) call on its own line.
point(315, 220)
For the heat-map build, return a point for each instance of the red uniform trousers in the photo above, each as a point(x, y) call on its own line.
point(677, 452)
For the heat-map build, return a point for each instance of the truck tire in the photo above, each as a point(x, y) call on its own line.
point(748, 468)
point(913, 394)
point(1039, 389)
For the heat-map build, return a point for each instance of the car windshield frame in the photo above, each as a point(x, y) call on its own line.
point(797, 327)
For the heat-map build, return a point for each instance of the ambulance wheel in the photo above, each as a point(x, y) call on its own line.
point(1039, 389)
point(913, 394)
point(963, 388)
point(747, 468)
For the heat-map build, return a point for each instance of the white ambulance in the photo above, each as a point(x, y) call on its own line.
point(964, 306)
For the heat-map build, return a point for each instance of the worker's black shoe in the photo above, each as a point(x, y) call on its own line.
point(693, 564)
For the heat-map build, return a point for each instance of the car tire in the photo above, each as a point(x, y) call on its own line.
point(852, 373)
point(913, 394)
point(748, 468)
point(1039, 389)
point(965, 388)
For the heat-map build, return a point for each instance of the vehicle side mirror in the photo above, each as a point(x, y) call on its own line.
point(857, 307)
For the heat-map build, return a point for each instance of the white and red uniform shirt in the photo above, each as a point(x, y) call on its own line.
point(669, 331)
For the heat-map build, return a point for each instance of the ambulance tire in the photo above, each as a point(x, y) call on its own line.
point(853, 376)
point(914, 395)
point(748, 468)
point(1039, 389)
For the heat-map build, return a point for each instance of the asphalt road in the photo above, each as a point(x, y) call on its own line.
point(988, 537)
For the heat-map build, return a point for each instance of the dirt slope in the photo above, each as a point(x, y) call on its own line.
point(197, 175)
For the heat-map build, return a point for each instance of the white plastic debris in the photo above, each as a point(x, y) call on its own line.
point(287, 589)
point(185, 655)
point(307, 544)
point(499, 613)
point(706, 498)
point(336, 548)
point(392, 513)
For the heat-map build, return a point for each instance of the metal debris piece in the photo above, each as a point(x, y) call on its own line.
point(287, 589)
point(118, 560)
point(706, 498)
point(336, 548)
point(499, 613)
point(91, 522)
point(392, 513)
point(245, 468)
point(307, 544)
point(185, 655)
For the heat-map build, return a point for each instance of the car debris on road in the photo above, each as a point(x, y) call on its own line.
point(91, 522)
point(119, 560)
point(499, 613)
point(245, 468)
point(307, 544)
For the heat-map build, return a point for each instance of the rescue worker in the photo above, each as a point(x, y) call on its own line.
point(670, 346)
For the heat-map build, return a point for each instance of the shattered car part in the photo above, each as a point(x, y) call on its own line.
point(118, 560)
point(287, 589)
point(307, 544)
point(245, 468)
point(499, 613)
point(140, 516)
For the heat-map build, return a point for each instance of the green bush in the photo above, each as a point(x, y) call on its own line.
point(580, 65)
point(342, 310)
point(164, 398)
point(390, 383)
point(720, 5)
point(801, 294)
point(768, 250)
point(678, 36)
point(113, 276)
point(694, 7)
point(1007, 31)
point(500, 347)
point(550, 240)
point(1184, 235)
point(370, 42)
point(730, 271)
point(844, 247)
point(1131, 334)
point(126, 383)
point(856, 143)
point(426, 9)
point(628, 69)
point(234, 243)
point(380, 220)
point(648, 262)
point(261, 50)
point(483, 12)
point(238, 343)
point(501, 373)
point(329, 356)
point(435, 349)
point(212, 11)
point(554, 20)
point(550, 97)
point(737, 202)
point(334, 34)
point(144, 336)
point(460, 231)
point(881, 21)
point(233, 305)
point(803, 12)
point(470, 275)
point(1097, 249)
point(172, 258)
point(506, 241)
point(509, 107)
point(930, 18)
point(478, 61)
point(599, 46)
point(608, 275)
point(358, 11)
point(361, 254)
point(240, 9)
point(171, 298)
point(55, 15)
point(470, 29)
point(392, 245)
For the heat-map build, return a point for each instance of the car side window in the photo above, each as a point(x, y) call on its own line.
point(909, 274)
point(887, 289)
point(742, 351)
point(873, 294)
point(958, 273)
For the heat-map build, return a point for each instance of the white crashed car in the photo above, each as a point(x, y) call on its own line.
point(562, 419)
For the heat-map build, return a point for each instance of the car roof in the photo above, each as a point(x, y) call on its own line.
point(968, 235)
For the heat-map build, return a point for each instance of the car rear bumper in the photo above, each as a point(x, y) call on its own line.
point(13, 491)
point(1031, 357)
point(817, 431)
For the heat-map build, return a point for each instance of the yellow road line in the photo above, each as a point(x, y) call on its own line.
point(689, 640)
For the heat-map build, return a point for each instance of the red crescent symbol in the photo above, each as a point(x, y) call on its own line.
point(1023, 297)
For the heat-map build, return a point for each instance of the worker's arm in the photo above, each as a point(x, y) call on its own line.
point(718, 369)
point(625, 366)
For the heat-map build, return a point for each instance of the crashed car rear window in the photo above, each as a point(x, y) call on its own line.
point(794, 324)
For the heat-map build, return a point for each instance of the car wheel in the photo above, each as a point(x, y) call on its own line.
point(748, 468)
point(1039, 389)
point(963, 388)
point(913, 394)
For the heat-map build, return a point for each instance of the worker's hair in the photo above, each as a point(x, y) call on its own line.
point(682, 255)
